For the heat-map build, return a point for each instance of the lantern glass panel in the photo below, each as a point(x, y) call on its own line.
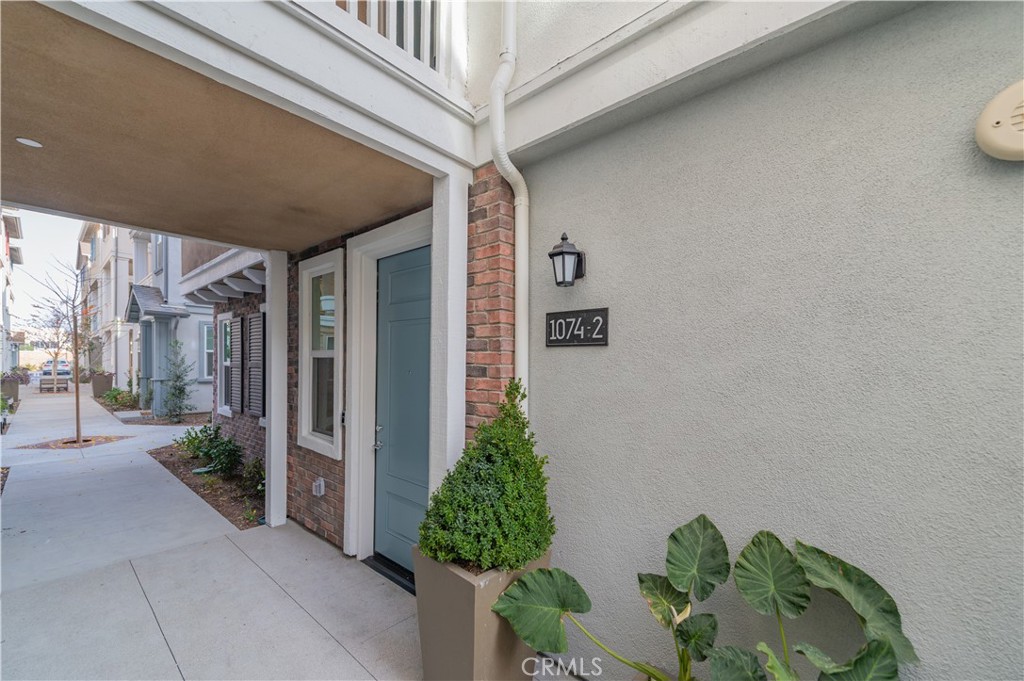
point(556, 264)
point(569, 267)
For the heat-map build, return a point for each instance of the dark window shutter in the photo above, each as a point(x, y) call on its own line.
point(236, 364)
point(254, 366)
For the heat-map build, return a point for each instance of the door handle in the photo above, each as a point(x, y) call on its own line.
point(377, 445)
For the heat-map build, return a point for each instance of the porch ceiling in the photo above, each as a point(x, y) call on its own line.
point(132, 138)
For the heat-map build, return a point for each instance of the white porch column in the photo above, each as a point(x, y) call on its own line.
point(276, 381)
point(449, 251)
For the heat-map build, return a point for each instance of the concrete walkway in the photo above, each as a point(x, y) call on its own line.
point(112, 569)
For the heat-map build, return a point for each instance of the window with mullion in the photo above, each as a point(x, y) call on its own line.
point(319, 343)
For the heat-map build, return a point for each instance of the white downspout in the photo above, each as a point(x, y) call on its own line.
point(499, 150)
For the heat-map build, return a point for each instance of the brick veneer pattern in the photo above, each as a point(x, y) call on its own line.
point(244, 428)
point(321, 515)
point(490, 293)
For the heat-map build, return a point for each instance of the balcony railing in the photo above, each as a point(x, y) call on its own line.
point(419, 27)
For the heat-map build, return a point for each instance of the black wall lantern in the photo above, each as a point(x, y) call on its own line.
point(570, 263)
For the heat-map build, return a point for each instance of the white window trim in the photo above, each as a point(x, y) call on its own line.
point(266, 397)
point(223, 406)
point(332, 261)
point(206, 374)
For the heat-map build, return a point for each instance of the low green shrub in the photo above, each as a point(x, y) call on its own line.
point(222, 455)
point(121, 399)
point(195, 441)
point(253, 478)
point(491, 509)
point(225, 456)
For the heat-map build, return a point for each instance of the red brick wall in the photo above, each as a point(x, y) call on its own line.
point(320, 515)
point(490, 304)
point(244, 428)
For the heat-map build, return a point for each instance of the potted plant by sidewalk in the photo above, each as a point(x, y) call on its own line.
point(487, 523)
point(11, 381)
point(102, 382)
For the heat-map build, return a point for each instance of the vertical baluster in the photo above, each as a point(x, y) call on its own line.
point(409, 26)
point(392, 17)
point(371, 14)
point(443, 38)
point(426, 26)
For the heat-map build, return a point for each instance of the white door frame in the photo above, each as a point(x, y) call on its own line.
point(363, 252)
point(444, 227)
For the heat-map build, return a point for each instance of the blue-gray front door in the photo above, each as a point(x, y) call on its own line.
point(403, 402)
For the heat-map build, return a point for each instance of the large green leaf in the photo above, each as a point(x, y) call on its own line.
point(776, 667)
point(875, 662)
point(534, 605)
point(697, 634)
point(820, 660)
point(734, 664)
point(661, 597)
point(877, 610)
point(769, 578)
point(698, 559)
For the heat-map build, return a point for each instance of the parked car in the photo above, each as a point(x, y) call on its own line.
point(63, 368)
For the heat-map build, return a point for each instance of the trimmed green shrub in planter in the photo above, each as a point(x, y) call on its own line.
point(492, 510)
point(486, 523)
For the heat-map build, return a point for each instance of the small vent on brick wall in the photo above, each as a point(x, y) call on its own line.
point(318, 487)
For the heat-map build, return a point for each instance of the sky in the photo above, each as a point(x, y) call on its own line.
point(47, 240)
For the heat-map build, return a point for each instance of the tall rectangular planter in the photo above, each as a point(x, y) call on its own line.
point(102, 384)
point(10, 390)
point(461, 639)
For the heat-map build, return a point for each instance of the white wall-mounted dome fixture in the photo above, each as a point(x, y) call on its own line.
point(1000, 128)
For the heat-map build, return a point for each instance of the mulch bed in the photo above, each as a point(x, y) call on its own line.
point(224, 495)
point(72, 443)
point(186, 420)
point(3, 477)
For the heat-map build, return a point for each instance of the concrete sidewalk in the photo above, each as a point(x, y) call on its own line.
point(112, 568)
point(260, 604)
point(47, 416)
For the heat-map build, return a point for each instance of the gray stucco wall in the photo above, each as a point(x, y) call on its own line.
point(815, 283)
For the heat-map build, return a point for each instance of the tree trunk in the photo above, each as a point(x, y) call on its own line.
point(74, 368)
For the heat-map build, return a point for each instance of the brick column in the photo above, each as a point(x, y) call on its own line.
point(490, 309)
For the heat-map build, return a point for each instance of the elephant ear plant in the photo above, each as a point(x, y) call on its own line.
point(773, 580)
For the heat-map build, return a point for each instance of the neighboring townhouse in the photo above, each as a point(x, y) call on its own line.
point(162, 315)
point(106, 269)
point(10, 255)
point(233, 281)
point(800, 307)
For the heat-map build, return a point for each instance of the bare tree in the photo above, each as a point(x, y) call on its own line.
point(61, 311)
point(55, 329)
